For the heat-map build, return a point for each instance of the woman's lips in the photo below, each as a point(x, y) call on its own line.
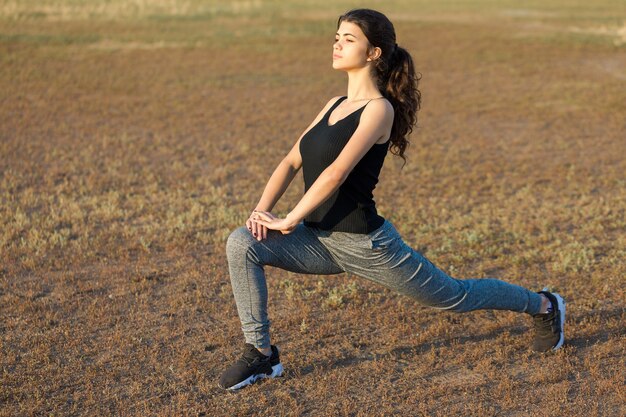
point(335, 56)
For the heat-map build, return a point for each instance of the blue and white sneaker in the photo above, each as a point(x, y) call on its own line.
point(252, 366)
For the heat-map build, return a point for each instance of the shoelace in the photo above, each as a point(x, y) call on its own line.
point(252, 361)
point(547, 323)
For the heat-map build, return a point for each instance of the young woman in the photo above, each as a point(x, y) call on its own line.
point(335, 228)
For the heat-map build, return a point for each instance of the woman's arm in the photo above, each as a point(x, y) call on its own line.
point(282, 176)
point(376, 122)
point(277, 185)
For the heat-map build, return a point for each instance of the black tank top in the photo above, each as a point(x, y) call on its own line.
point(351, 208)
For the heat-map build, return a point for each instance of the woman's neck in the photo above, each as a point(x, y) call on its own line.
point(361, 85)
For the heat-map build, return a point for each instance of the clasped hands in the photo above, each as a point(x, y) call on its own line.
point(260, 222)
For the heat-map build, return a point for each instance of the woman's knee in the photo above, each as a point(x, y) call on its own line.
point(239, 239)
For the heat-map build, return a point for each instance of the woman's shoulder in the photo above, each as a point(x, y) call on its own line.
point(332, 101)
point(381, 103)
point(380, 107)
point(327, 107)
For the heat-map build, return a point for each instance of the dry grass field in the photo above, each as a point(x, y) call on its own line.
point(135, 135)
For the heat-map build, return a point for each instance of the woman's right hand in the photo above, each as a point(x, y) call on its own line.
point(258, 230)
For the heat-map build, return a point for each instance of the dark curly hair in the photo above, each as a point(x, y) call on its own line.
point(394, 72)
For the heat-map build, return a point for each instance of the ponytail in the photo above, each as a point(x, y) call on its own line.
point(398, 82)
point(394, 72)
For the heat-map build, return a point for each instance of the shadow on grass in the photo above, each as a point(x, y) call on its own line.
point(403, 351)
point(579, 342)
point(601, 336)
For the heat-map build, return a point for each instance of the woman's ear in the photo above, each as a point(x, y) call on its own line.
point(374, 54)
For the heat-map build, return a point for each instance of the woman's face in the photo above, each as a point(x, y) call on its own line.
point(350, 50)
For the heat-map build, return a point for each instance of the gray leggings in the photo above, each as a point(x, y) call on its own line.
point(380, 256)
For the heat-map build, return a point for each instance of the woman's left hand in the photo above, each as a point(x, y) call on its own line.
point(285, 226)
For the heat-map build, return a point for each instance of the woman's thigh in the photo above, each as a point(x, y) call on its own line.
point(382, 257)
point(299, 251)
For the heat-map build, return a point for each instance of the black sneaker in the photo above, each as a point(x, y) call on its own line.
point(252, 365)
point(549, 333)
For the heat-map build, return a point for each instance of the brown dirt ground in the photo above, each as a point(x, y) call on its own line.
point(130, 148)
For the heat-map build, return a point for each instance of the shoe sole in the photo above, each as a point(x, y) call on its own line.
point(277, 370)
point(561, 305)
